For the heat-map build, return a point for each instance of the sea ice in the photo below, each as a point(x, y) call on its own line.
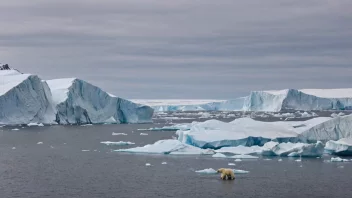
point(118, 133)
point(338, 159)
point(340, 147)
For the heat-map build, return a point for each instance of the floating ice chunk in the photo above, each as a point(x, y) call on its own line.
point(147, 164)
point(298, 160)
point(15, 129)
point(40, 143)
point(120, 143)
point(169, 128)
point(338, 159)
point(231, 164)
point(83, 125)
point(164, 163)
point(244, 157)
point(238, 171)
point(173, 147)
point(238, 160)
point(207, 171)
point(340, 147)
point(143, 134)
point(13, 148)
point(35, 124)
point(85, 150)
point(113, 133)
point(219, 155)
point(280, 160)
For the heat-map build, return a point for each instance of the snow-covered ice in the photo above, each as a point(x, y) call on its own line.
point(231, 164)
point(293, 149)
point(143, 134)
point(238, 160)
point(15, 129)
point(78, 101)
point(40, 143)
point(173, 147)
point(216, 134)
point(147, 164)
point(119, 143)
point(163, 163)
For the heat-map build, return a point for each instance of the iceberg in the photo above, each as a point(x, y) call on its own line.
point(340, 147)
point(240, 150)
point(79, 102)
point(24, 98)
point(219, 155)
point(247, 132)
point(273, 101)
point(170, 146)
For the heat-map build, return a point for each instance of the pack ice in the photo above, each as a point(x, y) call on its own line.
point(273, 101)
point(25, 98)
point(78, 101)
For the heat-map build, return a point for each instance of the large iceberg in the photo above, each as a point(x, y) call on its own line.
point(173, 147)
point(79, 102)
point(274, 101)
point(339, 147)
point(24, 98)
point(215, 134)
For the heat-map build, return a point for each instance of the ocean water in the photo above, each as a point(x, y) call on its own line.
point(71, 162)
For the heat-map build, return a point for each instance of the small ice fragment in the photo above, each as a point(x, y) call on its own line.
point(206, 171)
point(120, 143)
point(40, 143)
point(51, 147)
point(267, 159)
point(13, 148)
point(147, 164)
point(244, 157)
point(338, 159)
point(238, 160)
point(341, 167)
point(85, 150)
point(240, 171)
point(95, 150)
point(231, 164)
point(164, 163)
point(86, 125)
point(143, 134)
point(280, 160)
point(113, 133)
point(298, 160)
point(15, 129)
point(301, 166)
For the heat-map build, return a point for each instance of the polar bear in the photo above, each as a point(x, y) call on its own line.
point(226, 173)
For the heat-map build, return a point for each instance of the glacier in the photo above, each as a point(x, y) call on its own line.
point(79, 102)
point(340, 147)
point(272, 101)
point(169, 146)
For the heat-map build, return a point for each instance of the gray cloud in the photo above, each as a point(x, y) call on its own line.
point(181, 49)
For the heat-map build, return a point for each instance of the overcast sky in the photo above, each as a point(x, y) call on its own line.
point(190, 49)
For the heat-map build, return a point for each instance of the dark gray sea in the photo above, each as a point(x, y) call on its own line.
point(71, 162)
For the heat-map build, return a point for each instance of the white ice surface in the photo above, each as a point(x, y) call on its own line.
point(120, 143)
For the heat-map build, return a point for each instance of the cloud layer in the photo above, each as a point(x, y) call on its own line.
point(181, 49)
